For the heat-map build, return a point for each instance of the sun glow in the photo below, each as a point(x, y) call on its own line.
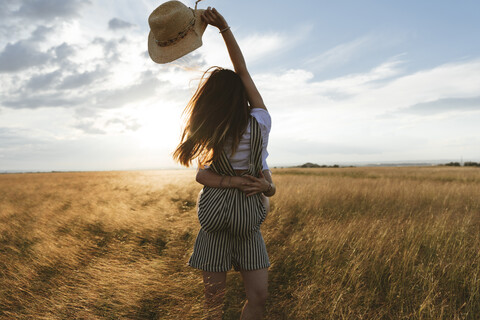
point(159, 127)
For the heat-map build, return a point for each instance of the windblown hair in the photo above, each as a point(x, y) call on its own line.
point(217, 111)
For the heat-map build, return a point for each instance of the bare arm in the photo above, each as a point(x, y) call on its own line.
point(210, 179)
point(213, 17)
point(248, 184)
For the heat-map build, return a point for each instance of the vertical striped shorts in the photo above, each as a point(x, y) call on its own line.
point(230, 232)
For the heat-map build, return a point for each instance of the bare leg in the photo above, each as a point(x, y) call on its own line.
point(215, 283)
point(256, 288)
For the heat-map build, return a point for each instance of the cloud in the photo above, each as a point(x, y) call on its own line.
point(18, 146)
point(124, 124)
point(385, 88)
point(56, 99)
point(144, 88)
point(80, 90)
point(88, 126)
point(270, 43)
point(147, 86)
point(43, 81)
point(66, 68)
point(340, 54)
point(50, 9)
point(113, 125)
point(20, 56)
point(459, 80)
point(256, 47)
point(280, 89)
point(357, 83)
point(116, 24)
point(308, 147)
point(63, 51)
point(14, 137)
point(444, 105)
point(110, 47)
point(7, 6)
point(82, 79)
point(41, 33)
point(25, 53)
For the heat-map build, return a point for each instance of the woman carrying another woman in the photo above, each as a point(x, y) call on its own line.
point(227, 129)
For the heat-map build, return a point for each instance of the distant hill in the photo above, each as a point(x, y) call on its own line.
point(393, 164)
point(309, 165)
point(314, 165)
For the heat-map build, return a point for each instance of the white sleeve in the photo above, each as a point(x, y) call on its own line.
point(265, 122)
point(263, 119)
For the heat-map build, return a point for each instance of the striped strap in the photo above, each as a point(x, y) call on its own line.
point(223, 166)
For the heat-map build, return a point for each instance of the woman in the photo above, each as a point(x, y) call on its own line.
point(227, 129)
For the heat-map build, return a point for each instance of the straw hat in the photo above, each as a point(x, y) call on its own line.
point(175, 30)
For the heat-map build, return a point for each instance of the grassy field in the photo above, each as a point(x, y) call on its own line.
point(345, 243)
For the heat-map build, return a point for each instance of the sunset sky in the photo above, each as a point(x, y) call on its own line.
point(344, 81)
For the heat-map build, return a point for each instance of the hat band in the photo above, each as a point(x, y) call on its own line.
point(179, 36)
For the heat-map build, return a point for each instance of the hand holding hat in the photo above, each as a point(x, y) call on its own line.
point(213, 17)
point(175, 30)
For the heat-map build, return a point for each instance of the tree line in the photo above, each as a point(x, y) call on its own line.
point(466, 164)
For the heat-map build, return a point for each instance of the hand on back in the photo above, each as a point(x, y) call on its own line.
point(255, 185)
point(240, 183)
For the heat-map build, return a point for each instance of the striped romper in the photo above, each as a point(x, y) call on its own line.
point(230, 221)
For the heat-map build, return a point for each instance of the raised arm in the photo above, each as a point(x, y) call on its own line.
point(213, 17)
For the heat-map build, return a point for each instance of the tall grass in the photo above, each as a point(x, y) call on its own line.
point(377, 243)
point(345, 243)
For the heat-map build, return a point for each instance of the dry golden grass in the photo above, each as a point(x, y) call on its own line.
point(347, 243)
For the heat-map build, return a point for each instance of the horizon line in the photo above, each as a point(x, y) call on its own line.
point(399, 163)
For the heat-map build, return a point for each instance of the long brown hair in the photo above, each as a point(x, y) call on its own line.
point(218, 110)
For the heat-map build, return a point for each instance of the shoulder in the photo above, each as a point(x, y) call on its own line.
point(262, 116)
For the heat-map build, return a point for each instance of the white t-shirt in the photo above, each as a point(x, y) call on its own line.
point(239, 160)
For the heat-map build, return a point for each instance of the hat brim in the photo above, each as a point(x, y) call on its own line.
point(192, 41)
